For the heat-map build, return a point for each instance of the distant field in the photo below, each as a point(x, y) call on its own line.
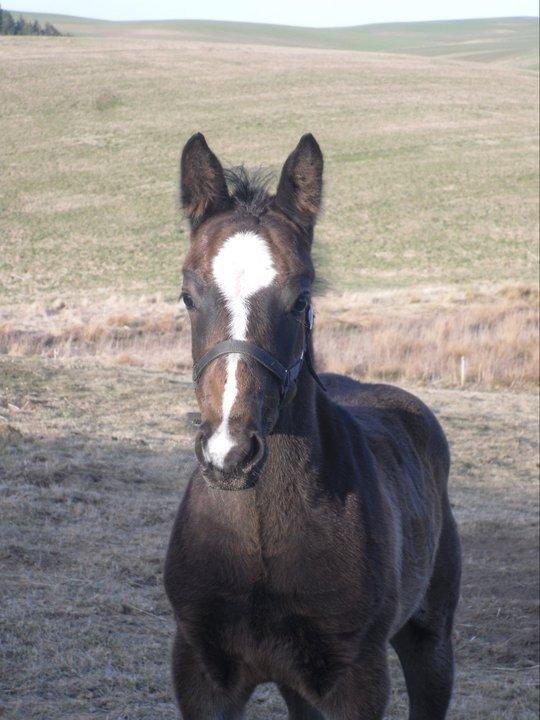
point(431, 164)
point(483, 39)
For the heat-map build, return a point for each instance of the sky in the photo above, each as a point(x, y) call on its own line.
point(315, 13)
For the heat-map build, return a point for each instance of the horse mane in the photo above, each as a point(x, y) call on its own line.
point(249, 189)
point(249, 192)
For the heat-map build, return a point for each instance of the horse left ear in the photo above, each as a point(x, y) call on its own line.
point(300, 185)
point(203, 189)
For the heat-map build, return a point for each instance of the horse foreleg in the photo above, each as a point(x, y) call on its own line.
point(361, 693)
point(299, 709)
point(424, 644)
point(199, 696)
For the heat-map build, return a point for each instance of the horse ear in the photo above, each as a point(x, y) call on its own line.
point(203, 190)
point(300, 185)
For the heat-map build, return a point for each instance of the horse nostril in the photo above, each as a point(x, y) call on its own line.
point(256, 452)
point(246, 453)
point(200, 446)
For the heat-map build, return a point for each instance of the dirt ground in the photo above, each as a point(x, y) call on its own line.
point(93, 462)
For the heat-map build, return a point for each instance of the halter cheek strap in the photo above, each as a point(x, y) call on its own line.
point(287, 376)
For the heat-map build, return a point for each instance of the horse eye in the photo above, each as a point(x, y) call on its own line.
point(300, 305)
point(187, 300)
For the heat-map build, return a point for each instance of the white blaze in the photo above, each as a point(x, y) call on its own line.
point(242, 267)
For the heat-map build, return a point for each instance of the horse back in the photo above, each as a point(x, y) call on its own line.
point(401, 418)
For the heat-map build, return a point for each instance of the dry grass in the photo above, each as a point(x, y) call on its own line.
point(147, 332)
point(418, 337)
point(93, 461)
point(107, 100)
point(485, 341)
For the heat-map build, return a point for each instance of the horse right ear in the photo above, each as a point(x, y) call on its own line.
point(300, 186)
point(203, 190)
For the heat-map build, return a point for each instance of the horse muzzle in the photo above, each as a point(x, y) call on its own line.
point(230, 463)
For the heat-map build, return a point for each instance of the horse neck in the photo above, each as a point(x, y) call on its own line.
point(294, 444)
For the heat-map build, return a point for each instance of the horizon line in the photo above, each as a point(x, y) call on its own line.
point(270, 24)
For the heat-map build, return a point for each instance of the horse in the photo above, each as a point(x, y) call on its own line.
point(316, 529)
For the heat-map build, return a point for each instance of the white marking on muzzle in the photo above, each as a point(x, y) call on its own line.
point(242, 267)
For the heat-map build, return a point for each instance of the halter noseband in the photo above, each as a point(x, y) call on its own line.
point(287, 376)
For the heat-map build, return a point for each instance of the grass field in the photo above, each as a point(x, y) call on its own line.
point(431, 171)
point(428, 248)
point(483, 40)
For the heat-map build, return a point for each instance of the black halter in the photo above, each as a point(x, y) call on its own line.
point(287, 376)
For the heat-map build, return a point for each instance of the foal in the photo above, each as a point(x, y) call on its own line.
point(316, 528)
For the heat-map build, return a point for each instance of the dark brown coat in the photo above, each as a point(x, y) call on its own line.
point(343, 541)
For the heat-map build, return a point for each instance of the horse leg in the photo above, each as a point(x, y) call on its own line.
point(198, 695)
point(299, 709)
point(424, 644)
point(362, 692)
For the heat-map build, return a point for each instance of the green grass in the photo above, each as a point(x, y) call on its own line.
point(482, 39)
point(431, 165)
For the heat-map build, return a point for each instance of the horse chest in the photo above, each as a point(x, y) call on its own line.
point(277, 555)
point(276, 575)
point(296, 623)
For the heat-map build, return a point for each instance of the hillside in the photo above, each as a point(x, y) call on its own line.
point(486, 40)
point(431, 165)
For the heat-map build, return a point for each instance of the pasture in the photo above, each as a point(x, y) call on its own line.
point(427, 251)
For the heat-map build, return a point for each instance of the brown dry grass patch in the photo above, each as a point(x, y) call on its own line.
point(487, 344)
point(452, 338)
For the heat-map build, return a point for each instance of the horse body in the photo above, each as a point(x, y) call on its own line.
point(344, 543)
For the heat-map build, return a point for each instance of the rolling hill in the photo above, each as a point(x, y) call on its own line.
point(486, 40)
